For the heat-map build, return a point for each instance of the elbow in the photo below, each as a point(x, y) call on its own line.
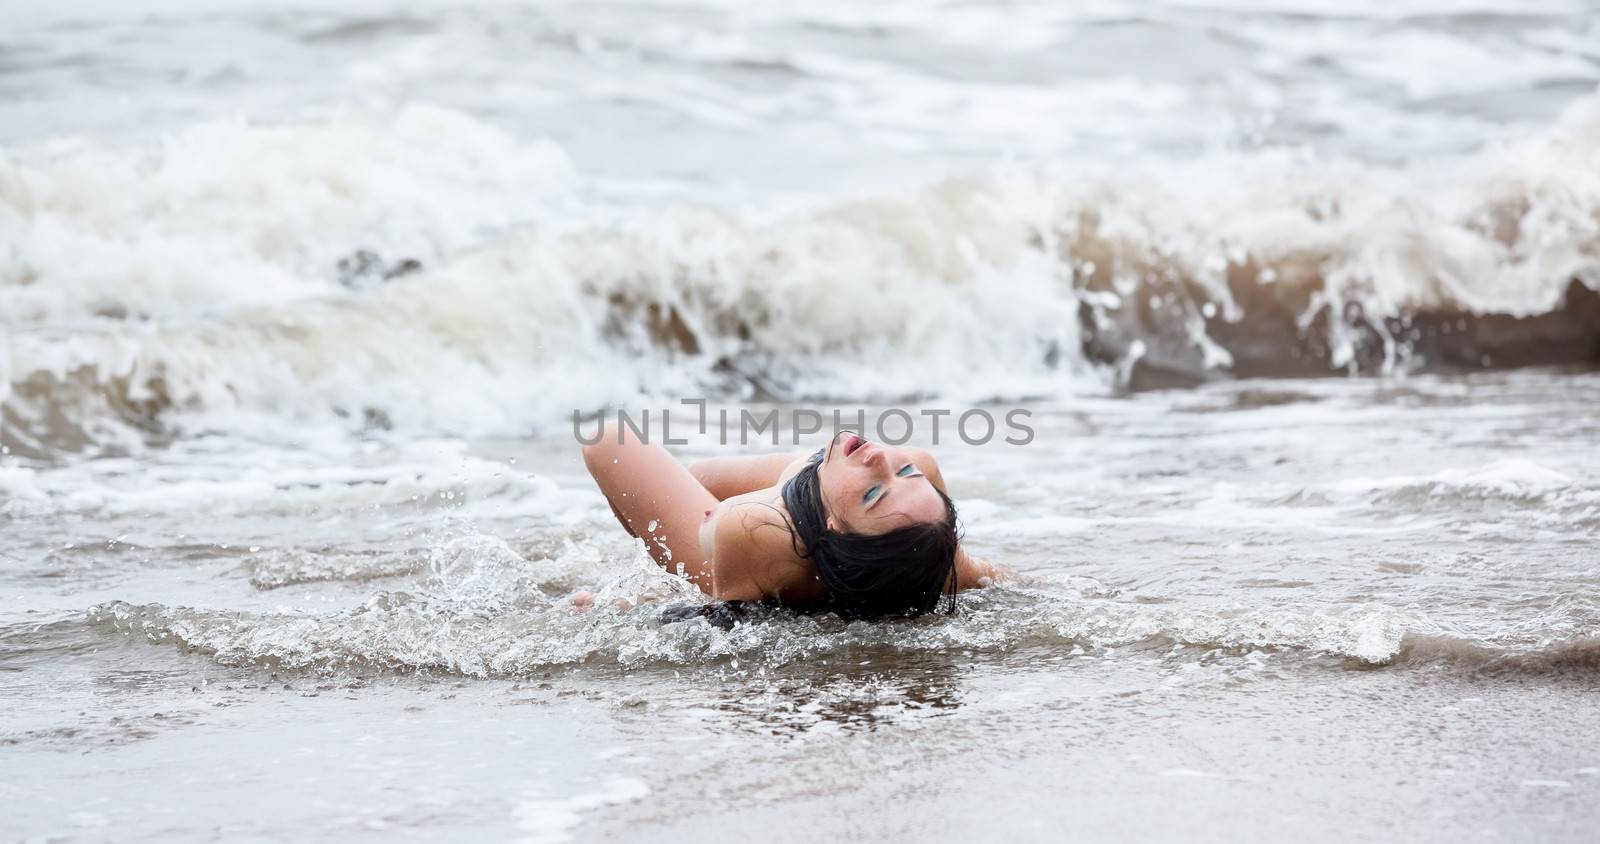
point(599, 458)
point(701, 472)
point(596, 453)
point(604, 450)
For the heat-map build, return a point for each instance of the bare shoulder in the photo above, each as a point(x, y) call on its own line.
point(927, 465)
point(754, 556)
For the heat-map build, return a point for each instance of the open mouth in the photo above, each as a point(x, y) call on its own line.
point(850, 443)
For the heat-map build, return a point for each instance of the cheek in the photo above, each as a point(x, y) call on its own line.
point(926, 508)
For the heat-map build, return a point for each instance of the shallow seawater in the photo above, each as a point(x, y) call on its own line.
point(295, 305)
point(1324, 609)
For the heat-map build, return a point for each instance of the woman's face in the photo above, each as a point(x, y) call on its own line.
point(872, 488)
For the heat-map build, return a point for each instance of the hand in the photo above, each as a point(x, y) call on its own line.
point(978, 573)
point(580, 602)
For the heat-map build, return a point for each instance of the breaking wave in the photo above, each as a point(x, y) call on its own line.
point(408, 632)
point(412, 275)
point(1579, 655)
point(398, 630)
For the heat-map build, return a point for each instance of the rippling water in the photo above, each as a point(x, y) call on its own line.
point(296, 303)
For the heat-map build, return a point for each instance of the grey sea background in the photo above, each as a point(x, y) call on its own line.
point(297, 303)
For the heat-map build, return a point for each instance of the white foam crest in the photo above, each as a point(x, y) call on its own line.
point(1512, 478)
point(1501, 231)
point(540, 325)
point(1424, 63)
point(968, 289)
point(228, 214)
point(477, 571)
point(429, 476)
point(18, 483)
point(495, 633)
point(473, 572)
point(278, 568)
point(550, 820)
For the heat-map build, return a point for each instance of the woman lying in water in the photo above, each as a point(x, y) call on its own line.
point(863, 529)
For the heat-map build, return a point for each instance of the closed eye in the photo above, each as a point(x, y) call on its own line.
point(876, 493)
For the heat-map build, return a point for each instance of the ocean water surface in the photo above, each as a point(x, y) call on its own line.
point(296, 305)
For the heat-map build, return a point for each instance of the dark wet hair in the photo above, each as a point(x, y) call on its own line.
point(905, 572)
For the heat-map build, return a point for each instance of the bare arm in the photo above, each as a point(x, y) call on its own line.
point(726, 477)
point(978, 573)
